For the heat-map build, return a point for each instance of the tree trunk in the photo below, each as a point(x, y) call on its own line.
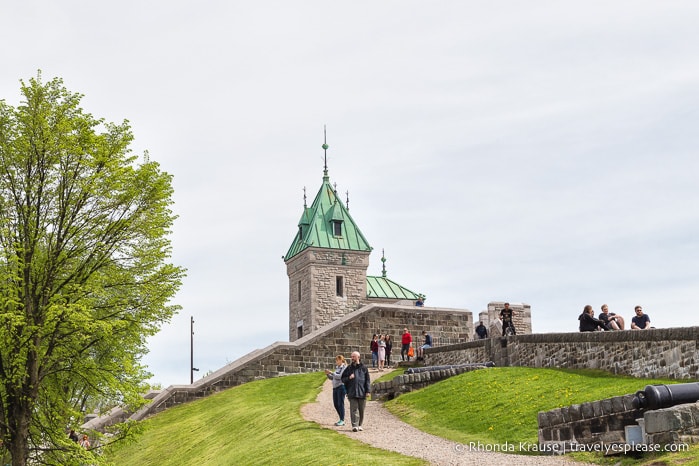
point(19, 440)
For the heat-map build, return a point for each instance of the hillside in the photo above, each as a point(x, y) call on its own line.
point(260, 422)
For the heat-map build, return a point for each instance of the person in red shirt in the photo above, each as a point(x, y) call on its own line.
point(406, 341)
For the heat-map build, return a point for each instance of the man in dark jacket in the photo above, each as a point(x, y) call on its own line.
point(358, 385)
point(588, 323)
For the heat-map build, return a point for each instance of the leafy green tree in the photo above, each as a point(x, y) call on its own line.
point(84, 271)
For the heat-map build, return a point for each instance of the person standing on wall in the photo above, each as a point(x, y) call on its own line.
point(506, 315)
point(358, 384)
point(481, 331)
point(406, 340)
point(640, 321)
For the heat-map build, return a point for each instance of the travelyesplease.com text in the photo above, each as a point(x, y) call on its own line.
point(563, 448)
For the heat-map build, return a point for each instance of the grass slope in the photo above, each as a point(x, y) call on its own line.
point(258, 423)
point(499, 405)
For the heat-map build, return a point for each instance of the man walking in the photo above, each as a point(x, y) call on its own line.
point(358, 384)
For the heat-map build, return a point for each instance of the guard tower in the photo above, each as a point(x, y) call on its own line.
point(326, 263)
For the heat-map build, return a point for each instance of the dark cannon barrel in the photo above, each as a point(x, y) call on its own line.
point(665, 396)
point(415, 370)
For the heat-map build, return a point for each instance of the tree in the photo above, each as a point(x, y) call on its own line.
point(84, 272)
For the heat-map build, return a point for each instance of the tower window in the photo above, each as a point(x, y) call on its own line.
point(299, 290)
point(337, 228)
point(339, 286)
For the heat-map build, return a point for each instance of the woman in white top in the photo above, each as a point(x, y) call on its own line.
point(382, 352)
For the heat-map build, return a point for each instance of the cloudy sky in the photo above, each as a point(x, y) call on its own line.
point(540, 152)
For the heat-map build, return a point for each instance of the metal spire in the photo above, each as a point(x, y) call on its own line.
point(304, 197)
point(383, 260)
point(347, 201)
point(325, 155)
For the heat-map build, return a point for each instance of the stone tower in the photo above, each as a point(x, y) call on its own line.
point(326, 264)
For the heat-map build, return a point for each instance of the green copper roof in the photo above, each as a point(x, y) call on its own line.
point(317, 226)
point(382, 287)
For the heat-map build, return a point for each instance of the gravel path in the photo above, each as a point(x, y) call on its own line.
point(383, 430)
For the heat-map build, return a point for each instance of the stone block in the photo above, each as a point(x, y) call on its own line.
point(607, 406)
point(575, 413)
point(663, 438)
point(565, 415)
point(555, 417)
point(545, 435)
point(587, 410)
point(661, 420)
point(565, 433)
point(543, 420)
point(618, 404)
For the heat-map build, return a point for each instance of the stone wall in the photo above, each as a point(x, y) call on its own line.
point(314, 272)
point(414, 381)
point(677, 424)
point(610, 423)
point(317, 352)
point(597, 422)
point(656, 353)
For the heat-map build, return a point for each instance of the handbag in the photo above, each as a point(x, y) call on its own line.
point(411, 352)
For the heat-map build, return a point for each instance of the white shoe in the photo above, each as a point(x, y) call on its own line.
point(360, 428)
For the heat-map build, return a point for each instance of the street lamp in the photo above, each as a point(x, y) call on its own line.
point(191, 353)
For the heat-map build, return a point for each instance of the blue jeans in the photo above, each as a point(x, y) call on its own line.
point(374, 358)
point(339, 401)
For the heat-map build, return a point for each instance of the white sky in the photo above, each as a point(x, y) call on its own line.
point(540, 152)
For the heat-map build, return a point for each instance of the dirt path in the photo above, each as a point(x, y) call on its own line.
point(384, 430)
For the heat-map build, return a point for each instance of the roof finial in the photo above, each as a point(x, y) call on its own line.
point(383, 259)
point(347, 201)
point(325, 150)
point(304, 197)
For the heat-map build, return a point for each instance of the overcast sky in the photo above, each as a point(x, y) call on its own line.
point(540, 152)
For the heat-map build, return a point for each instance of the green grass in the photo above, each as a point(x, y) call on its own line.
point(258, 423)
point(500, 405)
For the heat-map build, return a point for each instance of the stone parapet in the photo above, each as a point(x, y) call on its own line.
point(677, 424)
point(597, 422)
point(414, 381)
point(317, 351)
point(656, 353)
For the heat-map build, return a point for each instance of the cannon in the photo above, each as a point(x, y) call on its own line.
point(415, 370)
point(665, 396)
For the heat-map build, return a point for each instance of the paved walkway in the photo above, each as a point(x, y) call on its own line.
point(384, 430)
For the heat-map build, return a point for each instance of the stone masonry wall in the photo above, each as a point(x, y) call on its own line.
point(317, 352)
point(677, 424)
point(596, 422)
point(318, 304)
point(655, 353)
point(327, 306)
